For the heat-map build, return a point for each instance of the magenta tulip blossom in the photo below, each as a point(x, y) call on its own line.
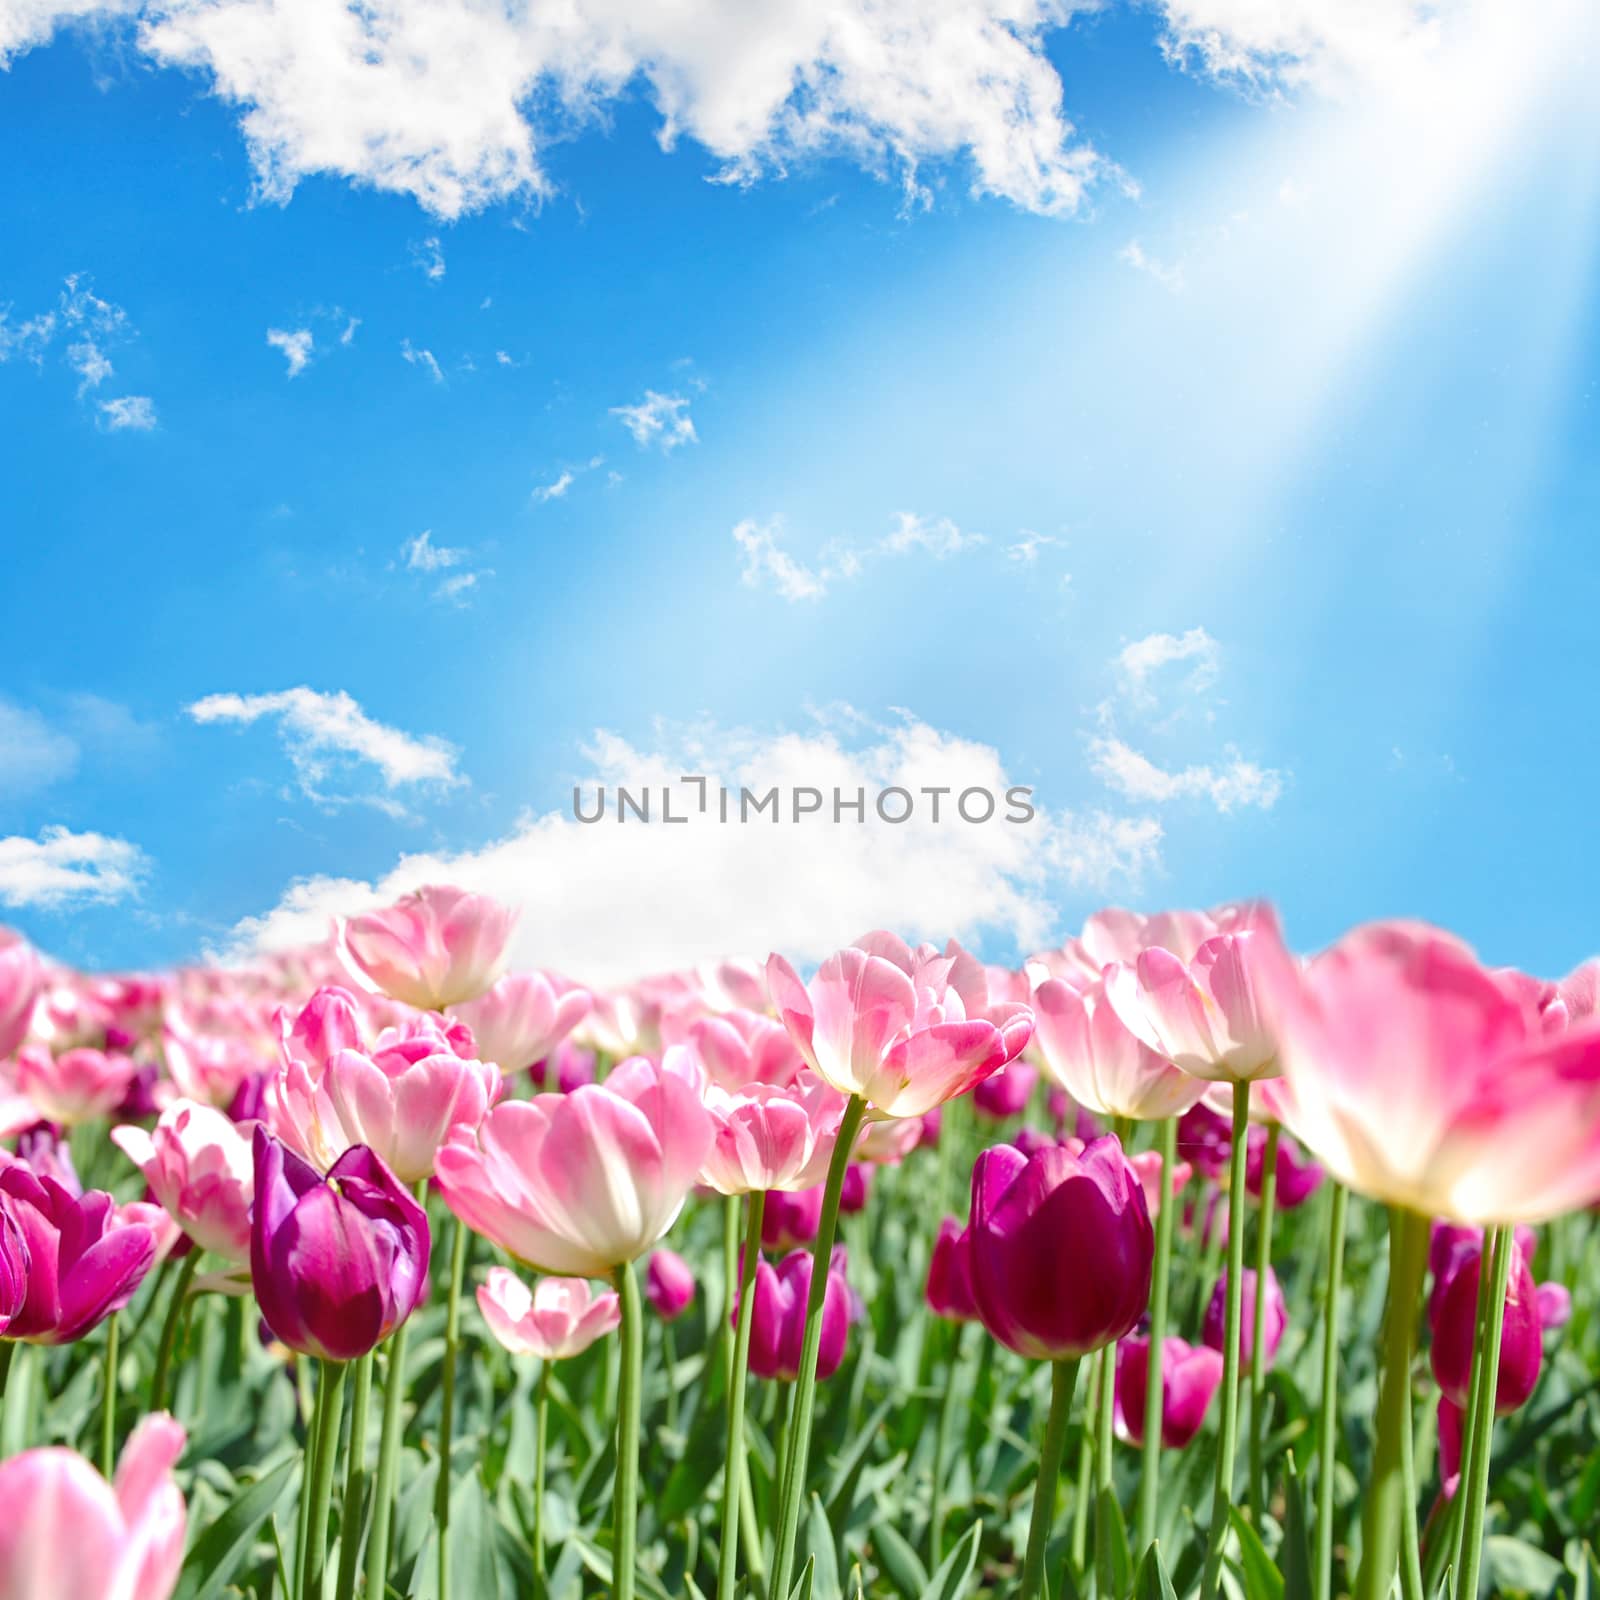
point(1214, 1329)
point(556, 1319)
point(13, 1270)
point(69, 1535)
point(579, 1184)
point(337, 1263)
point(949, 1287)
point(778, 1317)
point(84, 1260)
point(789, 1220)
point(1295, 1178)
point(1006, 1093)
point(200, 1167)
point(1454, 1318)
point(435, 947)
point(669, 1284)
point(768, 1137)
point(80, 1085)
point(856, 1188)
point(523, 1018)
point(1419, 1079)
point(890, 1025)
point(19, 987)
point(1056, 1206)
point(1189, 1377)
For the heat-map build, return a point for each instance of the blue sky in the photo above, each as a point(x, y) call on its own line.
point(1193, 422)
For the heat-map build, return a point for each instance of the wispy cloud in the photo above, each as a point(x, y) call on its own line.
point(296, 346)
point(33, 753)
point(659, 419)
point(938, 536)
point(427, 256)
point(767, 564)
point(459, 588)
point(422, 358)
point(1236, 782)
point(26, 341)
point(328, 734)
point(62, 869)
point(90, 362)
point(1169, 274)
point(135, 412)
point(421, 554)
point(556, 489)
point(1139, 663)
point(1026, 549)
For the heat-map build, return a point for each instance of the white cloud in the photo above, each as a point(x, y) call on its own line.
point(349, 334)
point(129, 411)
point(939, 536)
point(422, 358)
point(608, 901)
point(90, 362)
point(423, 555)
point(1139, 662)
point(1237, 783)
point(26, 341)
point(1026, 549)
point(459, 588)
point(61, 868)
point(33, 754)
point(767, 562)
point(661, 419)
point(554, 490)
point(1168, 274)
point(428, 258)
point(296, 347)
point(326, 734)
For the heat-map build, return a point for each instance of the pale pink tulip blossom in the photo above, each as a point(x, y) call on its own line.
point(79, 1085)
point(200, 1169)
point(20, 978)
point(578, 1184)
point(739, 1049)
point(435, 947)
point(889, 1024)
point(771, 1138)
point(523, 1018)
point(69, 1535)
point(556, 1319)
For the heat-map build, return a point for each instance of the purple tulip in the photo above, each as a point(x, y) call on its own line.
point(778, 1318)
point(47, 1156)
point(932, 1128)
point(1214, 1329)
point(857, 1186)
point(1205, 1140)
point(791, 1219)
point(1295, 1176)
point(1455, 1315)
point(338, 1263)
point(13, 1270)
point(949, 1287)
point(1085, 1212)
point(1007, 1093)
point(1555, 1305)
point(1189, 1377)
point(83, 1261)
point(670, 1284)
point(1452, 1245)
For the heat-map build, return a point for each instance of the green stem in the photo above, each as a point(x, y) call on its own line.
point(1410, 1547)
point(733, 1462)
point(1154, 1390)
point(625, 1503)
point(730, 1277)
point(806, 1378)
point(1385, 1513)
point(1477, 1492)
point(1104, 1417)
point(447, 1401)
point(322, 1452)
point(1222, 1493)
point(1328, 1435)
point(542, 1436)
point(1086, 1453)
point(1258, 1341)
point(108, 1414)
point(1470, 1430)
point(941, 1448)
point(1063, 1379)
point(169, 1331)
point(355, 1483)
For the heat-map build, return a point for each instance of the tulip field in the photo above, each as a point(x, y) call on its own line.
point(1177, 1262)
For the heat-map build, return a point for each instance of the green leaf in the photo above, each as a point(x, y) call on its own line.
point(215, 1555)
point(1152, 1582)
point(901, 1564)
point(1262, 1580)
point(1519, 1569)
point(802, 1590)
point(955, 1571)
point(1294, 1554)
point(1112, 1564)
point(824, 1552)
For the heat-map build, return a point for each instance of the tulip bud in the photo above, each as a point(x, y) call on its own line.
point(778, 1316)
point(338, 1263)
point(791, 1219)
point(1189, 1377)
point(556, 1319)
point(1058, 1206)
point(669, 1284)
point(1455, 1327)
point(1214, 1329)
point(949, 1286)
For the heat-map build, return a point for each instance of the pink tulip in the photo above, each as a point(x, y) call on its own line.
point(523, 1018)
point(778, 1316)
point(627, 1023)
point(791, 1219)
point(327, 1023)
point(578, 1184)
point(1005, 1094)
point(1455, 1318)
point(200, 1168)
point(1295, 1179)
point(891, 1026)
point(69, 1535)
point(555, 1320)
point(1421, 1080)
point(887, 1144)
point(20, 979)
point(1205, 1140)
point(436, 947)
point(569, 1066)
point(1147, 1167)
point(84, 1261)
point(210, 1068)
point(949, 1287)
point(1189, 1377)
point(1089, 1051)
point(1555, 1305)
point(1214, 1332)
point(669, 1284)
point(81, 1085)
point(856, 1188)
point(1085, 1209)
point(13, 1271)
point(1213, 1016)
point(742, 1048)
point(771, 1138)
